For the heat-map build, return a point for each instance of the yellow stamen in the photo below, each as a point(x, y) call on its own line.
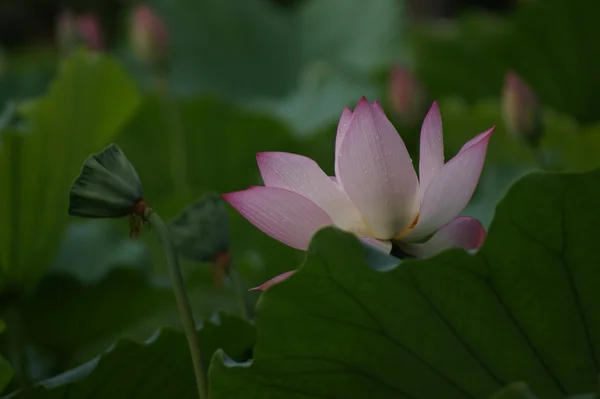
point(408, 229)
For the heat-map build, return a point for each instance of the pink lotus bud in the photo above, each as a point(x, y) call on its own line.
point(520, 109)
point(407, 95)
point(149, 37)
point(91, 31)
point(73, 31)
point(66, 31)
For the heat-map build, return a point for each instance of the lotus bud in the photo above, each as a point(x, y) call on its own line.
point(66, 31)
point(521, 111)
point(200, 232)
point(73, 31)
point(407, 95)
point(91, 31)
point(149, 37)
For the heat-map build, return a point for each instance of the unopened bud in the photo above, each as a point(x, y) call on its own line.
point(149, 37)
point(91, 31)
point(73, 31)
point(201, 231)
point(407, 95)
point(521, 111)
point(67, 36)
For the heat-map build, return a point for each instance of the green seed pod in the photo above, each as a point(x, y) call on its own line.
point(108, 186)
point(201, 231)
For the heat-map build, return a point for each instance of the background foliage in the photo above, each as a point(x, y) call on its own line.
point(89, 311)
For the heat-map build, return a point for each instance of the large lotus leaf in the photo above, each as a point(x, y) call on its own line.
point(458, 325)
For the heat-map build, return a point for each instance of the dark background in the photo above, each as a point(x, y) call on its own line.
point(32, 21)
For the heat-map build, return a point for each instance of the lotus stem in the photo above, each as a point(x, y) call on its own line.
point(185, 311)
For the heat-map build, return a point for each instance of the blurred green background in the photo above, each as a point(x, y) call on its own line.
point(232, 78)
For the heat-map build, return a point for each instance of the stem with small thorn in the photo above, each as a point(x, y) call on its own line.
point(240, 292)
point(185, 312)
point(223, 263)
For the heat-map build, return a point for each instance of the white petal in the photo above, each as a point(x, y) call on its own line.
point(343, 124)
point(463, 232)
point(342, 128)
point(376, 172)
point(281, 214)
point(452, 187)
point(431, 158)
point(303, 176)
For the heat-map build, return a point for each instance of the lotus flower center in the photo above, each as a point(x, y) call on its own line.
point(408, 229)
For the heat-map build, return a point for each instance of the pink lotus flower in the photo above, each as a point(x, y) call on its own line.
point(375, 193)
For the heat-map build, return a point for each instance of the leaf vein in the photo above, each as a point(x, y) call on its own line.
point(454, 332)
point(385, 334)
point(521, 330)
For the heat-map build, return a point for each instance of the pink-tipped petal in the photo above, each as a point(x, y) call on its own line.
point(431, 159)
point(384, 246)
point(452, 187)
point(375, 170)
point(463, 232)
point(275, 280)
point(281, 214)
point(303, 176)
point(485, 136)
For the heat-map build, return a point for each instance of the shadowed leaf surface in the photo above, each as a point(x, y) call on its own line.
point(158, 368)
point(547, 43)
point(88, 102)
